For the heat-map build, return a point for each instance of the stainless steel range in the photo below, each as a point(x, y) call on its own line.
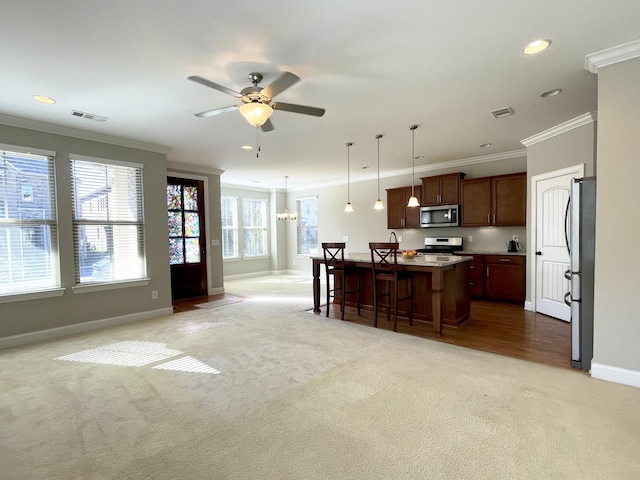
point(443, 245)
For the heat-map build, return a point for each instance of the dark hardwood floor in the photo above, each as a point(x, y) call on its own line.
point(502, 328)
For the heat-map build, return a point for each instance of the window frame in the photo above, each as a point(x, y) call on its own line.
point(54, 288)
point(301, 227)
point(263, 228)
point(140, 224)
point(233, 228)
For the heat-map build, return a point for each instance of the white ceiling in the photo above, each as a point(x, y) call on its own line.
point(375, 66)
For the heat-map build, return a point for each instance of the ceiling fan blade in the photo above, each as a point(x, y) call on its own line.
point(280, 84)
point(216, 111)
point(215, 86)
point(291, 107)
point(267, 126)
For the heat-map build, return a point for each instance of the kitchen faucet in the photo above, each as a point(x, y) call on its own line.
point(395, 237)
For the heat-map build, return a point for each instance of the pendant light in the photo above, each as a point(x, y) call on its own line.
point(286, 215)
point(378, 205)
point(413, 200)
point(348, 207)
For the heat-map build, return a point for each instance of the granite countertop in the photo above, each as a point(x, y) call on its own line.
point(426, 260)
point(464, 252)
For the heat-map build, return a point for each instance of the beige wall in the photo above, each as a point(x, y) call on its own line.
point(23, 317)
point(617, 283)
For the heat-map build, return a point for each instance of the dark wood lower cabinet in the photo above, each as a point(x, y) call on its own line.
point(498, 277)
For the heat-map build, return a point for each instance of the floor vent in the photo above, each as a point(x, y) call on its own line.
point(88, 116)
point(502, 112)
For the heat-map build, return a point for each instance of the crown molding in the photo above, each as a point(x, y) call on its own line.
point(560, 129)
point(82, 134)
point(186, 167)
point(452, 164)
point(610, 56)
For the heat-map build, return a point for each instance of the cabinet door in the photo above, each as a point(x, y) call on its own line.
point(509, 194)
point(412, 214)
point(395, 207)
point(450, 189)
point(476, 276)
point(476, 202)
point(505, 277)
point(430, 191)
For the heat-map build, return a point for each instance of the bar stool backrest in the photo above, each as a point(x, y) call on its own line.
point(333, 256)
point(384, 255)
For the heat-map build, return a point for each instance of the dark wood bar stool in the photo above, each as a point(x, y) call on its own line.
point(384, 264)
point(334, 264)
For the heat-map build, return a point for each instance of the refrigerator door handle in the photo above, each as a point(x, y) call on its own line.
point(566, 226)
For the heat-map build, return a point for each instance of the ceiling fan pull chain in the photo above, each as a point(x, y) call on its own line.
point(258, 141)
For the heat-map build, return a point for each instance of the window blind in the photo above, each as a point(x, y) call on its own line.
point(28, 223)
point(108, 221)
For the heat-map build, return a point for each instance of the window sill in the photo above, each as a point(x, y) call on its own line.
point(98, 287)
point(24, 297)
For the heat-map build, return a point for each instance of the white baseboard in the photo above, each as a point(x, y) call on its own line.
point(52, 333)
point(615, 374)
point(528, 306)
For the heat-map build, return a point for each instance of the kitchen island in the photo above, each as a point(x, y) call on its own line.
point(440, 286)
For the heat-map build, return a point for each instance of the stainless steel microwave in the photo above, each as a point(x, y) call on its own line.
point(440, 216)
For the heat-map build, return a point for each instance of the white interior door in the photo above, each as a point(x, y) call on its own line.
point(552, 257)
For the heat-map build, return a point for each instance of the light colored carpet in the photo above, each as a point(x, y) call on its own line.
point(227, 300)
point(283, 394)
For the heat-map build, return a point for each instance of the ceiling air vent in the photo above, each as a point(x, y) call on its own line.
point(88, 116)
point(502, 112)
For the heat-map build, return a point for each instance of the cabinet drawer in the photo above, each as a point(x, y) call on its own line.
point(476, 271)
point(505, 259)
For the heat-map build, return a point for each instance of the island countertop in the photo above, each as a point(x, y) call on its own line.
point(440, 283)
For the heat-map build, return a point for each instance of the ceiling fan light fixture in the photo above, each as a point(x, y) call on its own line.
point(256, 113)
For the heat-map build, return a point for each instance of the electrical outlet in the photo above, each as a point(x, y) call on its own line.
point(399, 238)
point(154, 295)
point(345, 238)
point(515, 238)
point(470, 238)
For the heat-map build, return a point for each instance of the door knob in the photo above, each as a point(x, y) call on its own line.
point(538, 253)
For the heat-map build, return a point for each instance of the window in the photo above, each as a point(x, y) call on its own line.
point(254, 227)
point(28, 225)
point(229, 217)
point(108, 221)
point(308, 226)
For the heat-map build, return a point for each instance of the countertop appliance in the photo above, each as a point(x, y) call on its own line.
point(447, 245)
point(440, 216)
point(581, 218)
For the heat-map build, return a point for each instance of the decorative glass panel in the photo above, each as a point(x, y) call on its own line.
point(174, 201)
point(175, 224)
point(191, 225)
point(176, 251)
point(192, 246)
point(191, 198)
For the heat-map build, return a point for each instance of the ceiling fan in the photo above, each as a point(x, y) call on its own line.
point(257, 102)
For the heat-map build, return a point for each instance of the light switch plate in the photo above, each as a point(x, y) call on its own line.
point(515, 238)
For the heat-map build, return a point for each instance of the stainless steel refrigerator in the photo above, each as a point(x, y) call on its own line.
point(581, 243)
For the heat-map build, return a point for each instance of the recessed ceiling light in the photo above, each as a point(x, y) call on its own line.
point(485, 145)
point(246, 147)
point(551, 93)
point(43, 99)
point(536, 46)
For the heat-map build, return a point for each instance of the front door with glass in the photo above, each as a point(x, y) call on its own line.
point(187, 241)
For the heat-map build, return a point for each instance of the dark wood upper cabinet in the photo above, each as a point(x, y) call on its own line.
point(441, 189)
point(398, 214)
point(494, 201)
